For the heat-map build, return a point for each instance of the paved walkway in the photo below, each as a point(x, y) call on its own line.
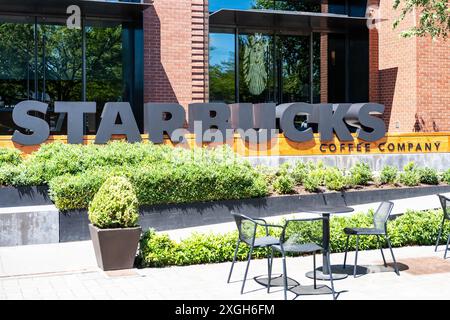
point(425, 275)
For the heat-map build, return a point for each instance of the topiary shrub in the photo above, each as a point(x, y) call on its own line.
point(389, 175)
point(10, 156)
point(361, 174)
point(284, 184)
point(428, 176)
point(115, 205)
point(410, 176)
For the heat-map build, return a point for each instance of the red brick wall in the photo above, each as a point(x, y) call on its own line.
point(433, 85)
point(175, 51)
point(413, 76)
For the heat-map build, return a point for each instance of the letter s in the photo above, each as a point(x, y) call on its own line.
point(368, 119)
point(21, 118)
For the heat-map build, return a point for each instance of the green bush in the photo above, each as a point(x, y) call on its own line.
point(284, 184)
point(299, 172)
point(115, 205)
point(314, 180)
point(164, 183)
point(361, 174)
point(335, 179)
point(389, 175)
point(410, 176)
point(413, 228)
point(446, 176)
point(10, 156)
point(429, 176)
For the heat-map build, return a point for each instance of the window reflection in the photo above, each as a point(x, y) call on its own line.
point(222, 68)
point(288, 5)
point(103, 68)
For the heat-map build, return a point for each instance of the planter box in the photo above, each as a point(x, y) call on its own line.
point(24, 196)
point(115, 249)
point(74, 224)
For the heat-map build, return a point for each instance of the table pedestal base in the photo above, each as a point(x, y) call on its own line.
point(338, 273)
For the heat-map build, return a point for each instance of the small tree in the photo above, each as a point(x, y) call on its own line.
point(434, 17)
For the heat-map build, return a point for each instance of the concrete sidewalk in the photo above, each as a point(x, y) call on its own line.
point(424, 275)
point(47, 259)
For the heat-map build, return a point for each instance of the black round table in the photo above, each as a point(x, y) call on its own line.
point(323, 273)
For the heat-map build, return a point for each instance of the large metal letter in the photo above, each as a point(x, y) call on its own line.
point(287, 113)
point(329, 121)
point(210, 116)
point(365, 116)
point(108, 125)
point(75, 118)
point(21, 118)
point(157, 124)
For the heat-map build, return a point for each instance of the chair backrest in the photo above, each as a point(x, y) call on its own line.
point(310, 232)
point(246, 227)
point(382, 214)
point(445, 203)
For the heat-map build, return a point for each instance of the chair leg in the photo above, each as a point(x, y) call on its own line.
point(270, 271)
point(285, 282)
point(346, 250)
point(381, 249)
point(246, 269)
point(446, 247)
point(234, 260)
point(331, 277)
point(314, 270)
point(392, 254)
point(356, 257)
point(439, 235)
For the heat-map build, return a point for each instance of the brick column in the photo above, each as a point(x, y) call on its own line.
point(175, 51)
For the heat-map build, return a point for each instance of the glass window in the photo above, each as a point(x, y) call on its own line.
point(103, 68)
point(256, 71)
point(215, 5)
point(293, 59)
point(222, 67)
point(289, 5)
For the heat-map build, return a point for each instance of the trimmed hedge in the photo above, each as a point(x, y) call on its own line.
point(10, 156)
point(164, 184)
point(411, 229)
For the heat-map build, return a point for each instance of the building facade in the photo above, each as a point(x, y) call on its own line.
point(188, 51)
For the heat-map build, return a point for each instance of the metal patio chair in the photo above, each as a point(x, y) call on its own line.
point(445, 203)
point(294, 245)
point(380, 219)
point(247, 228)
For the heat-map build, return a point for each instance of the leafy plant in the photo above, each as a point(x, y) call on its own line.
point(284, 184)
point(335, 179)
point(410, 176)
point(10, 156)
point(314, 180)
point(446, 176)
point(428, 176)
point(115, 205)
point(389, 175)
point(361, 174)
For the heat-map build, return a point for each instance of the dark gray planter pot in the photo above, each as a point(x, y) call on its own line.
point(115, 249)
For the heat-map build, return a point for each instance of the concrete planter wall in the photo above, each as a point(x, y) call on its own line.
point(24, 196)
point(73, 225)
